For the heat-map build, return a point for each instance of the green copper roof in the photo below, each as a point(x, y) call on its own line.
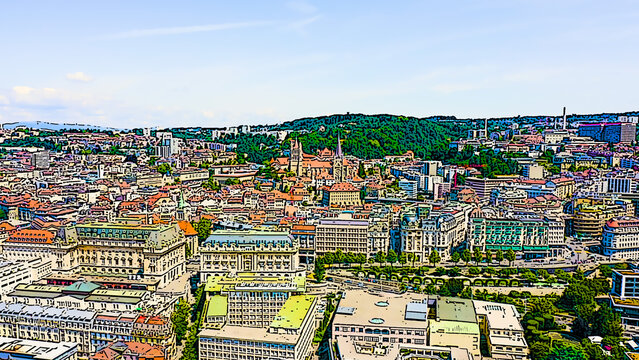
point(81, 287)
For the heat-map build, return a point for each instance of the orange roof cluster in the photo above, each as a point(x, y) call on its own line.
point(342, 187)
point(187, 228)
point(31, 236)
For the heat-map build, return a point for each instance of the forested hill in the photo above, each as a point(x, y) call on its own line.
point(375, 136)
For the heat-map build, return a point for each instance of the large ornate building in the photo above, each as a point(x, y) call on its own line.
point(109, 249)
point(269, 253)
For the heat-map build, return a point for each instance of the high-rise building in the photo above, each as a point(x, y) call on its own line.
point(264, 316)
point(40, 159)
point(610, 132)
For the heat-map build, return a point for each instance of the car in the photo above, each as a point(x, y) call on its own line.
point(360, 284)
point(348, 281)
point(329, 279)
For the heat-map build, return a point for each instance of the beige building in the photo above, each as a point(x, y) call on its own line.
point(341, 194)
point(342, 232)
point(455, 324)
point(252, 317)
point(121, 249)
point(270, 253)
point(500, 324)
point(381, 326)
point(421, 235)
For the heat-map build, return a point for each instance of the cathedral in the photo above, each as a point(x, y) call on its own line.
point(324, 164)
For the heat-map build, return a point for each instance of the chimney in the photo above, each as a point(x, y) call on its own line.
point(564, 118)
point(486, 128)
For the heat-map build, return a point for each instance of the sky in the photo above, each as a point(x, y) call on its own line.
point(136, 63)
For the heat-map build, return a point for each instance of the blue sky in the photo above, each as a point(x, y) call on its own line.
point(223, 63)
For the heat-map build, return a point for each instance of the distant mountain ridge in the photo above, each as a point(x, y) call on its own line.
point(45, 125)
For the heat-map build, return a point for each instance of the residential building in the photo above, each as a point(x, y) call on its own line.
point(341, 194)
point(484, 186)
point(620, 238)
point(421, 235)
point(27, 349)
point(305, 236)
point(500, 324)
point(154, 251)
point(590, 215)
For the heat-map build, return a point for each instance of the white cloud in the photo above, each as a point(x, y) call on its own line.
point(187, 29)
point(302, 6)
point(4, 100)
point(208, 114)
point(22, 90)
point(79, 76)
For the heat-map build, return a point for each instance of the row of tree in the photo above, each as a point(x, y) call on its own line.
point(478, 256)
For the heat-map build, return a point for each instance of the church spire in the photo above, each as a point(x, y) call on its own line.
point(338, 151)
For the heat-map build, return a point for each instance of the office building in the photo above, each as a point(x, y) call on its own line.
point(342, 232)
point(272, 253)
point(615, 133)
point(257, 317)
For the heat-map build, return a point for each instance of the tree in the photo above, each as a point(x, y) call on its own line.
point(499, 256)
point(403, 258)
point(477, 255)
point(605, 271)
point(455, 286)
point(391, 257)
point(360, 258)
point(455, 257)
point(510, 256)
point(319, 271)
point(203, 228)
point(164, 169)
point(467, 293)
point(543, 273)
point(380, 257)
point(360, 171)
point(607, 323)
point(453, 272)
point(187, 251)
point(329, 258)
point(179, 319)
point(349, 258)
point(567, 351)
point(211, 184)
point(489, 256)
point(434, 257)
point(339, 256)
point(412, 258)
point(539, 350)
point(466, 256)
